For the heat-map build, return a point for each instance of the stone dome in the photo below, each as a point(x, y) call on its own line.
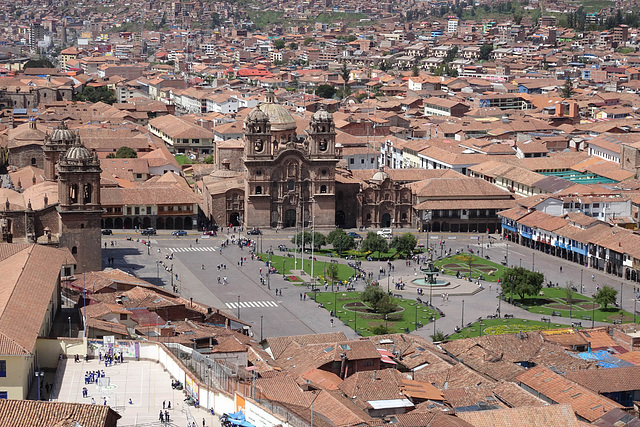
point(256, 115)
point(78, 152)
point(32, 133)
point(62, 133)
point(322, 116)
point(379, 177)
point(279, 117)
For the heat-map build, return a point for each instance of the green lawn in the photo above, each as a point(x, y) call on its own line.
point(366, 322)
point(479, 266)
point(502, 326)
point(344, 271)
point(553, 299)
point(183, 160)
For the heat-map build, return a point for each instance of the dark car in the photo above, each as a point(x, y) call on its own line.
point(179, 233)
point(107, 232)
point(254, 232)
point(354, 235)
point(149, 231)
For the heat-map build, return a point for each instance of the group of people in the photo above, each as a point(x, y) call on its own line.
point(111, 358)
point(91, 377)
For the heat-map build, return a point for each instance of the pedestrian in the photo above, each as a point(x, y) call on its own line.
point(161, 417)
point(300, 296)
point(203, 423)
point(169, 405)
point(331, 320)
point(166, 415)
point(130, 401)
point(164, 403)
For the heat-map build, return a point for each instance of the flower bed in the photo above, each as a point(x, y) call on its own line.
point(294, 279)
point(510, 329)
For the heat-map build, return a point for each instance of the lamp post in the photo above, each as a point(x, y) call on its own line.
point(430, 293)
point(158, 271)
point(283, 267)
point(520, 262)
point(355, 321)
point(581, 286)
point(238, 306)
point(335, 307)
point(621, 295)
point(634, 310)
point(313, 237)
point(462, 323)
point(69, 326)
point(533, 268)
point(260, 328)
point(386, 327)
point(433, 319)
point(593, 314)
point(388, 277)
point(480, 327)
point(416, 315)
point(499, 304)
point(506, 257)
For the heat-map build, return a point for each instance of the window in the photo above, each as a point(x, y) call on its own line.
point(33, 161)
point(3, 368)
point(123, 316)
point(290, 185)
point(137, 210)
point(362, 161)
point(259, 173)
point(352, 161)
point(324, 172)
point(596, 205)
point(259, 189)
point(3, 395)
point(74, 250)
point(81, 226)
point(323, 188)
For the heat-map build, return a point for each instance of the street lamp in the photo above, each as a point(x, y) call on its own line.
point(69, 326)
point(158, 271)
point(593, 314)
point(355, 321)
point(462, 323)
point(634, 310)
point(386, 327)
point(260, 328)
point(238, 306)
point(581, 286)
point(621, 295)
point(506, 257)
point(416, 315)
point(283, 267)
point(433, 319)
point(520, 262)
point(480, 327)
point(533, 268)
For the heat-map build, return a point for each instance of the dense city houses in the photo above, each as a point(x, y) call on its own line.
point(517, 120)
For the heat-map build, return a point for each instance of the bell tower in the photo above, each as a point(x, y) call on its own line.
point(322, 135)
point(79, 206)
point(257, 134)
point(55, 145)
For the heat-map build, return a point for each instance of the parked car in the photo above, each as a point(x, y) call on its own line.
point(354, 235)
point(107, 232)
point(254, 232)
point(210, 233)
point(387, 233)
point(179, 233)
point(149, 231)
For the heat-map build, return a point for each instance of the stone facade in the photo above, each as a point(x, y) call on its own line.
point(289, 183)
point(386, 203)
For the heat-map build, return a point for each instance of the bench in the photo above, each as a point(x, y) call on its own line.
point(545, 319)
point(508, 316)
point(556, 313)
point(617, 321)
point(586, 317)
point(397, 295)
point(574, 324)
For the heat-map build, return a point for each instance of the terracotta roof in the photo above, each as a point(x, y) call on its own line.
point(28, 413)
point(30, 277)
point(607, 380)
point(584, 402)
point(277, 345)
point(544, 416)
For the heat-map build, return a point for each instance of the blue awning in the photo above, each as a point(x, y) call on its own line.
point(527, 235)
point(509, 227)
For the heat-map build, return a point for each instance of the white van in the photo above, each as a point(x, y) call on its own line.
point(387, 233)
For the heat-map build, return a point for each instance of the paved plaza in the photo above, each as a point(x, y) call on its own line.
point(284, 314)
point(144, 382)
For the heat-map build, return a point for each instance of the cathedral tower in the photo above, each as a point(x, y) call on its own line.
point(79, 206)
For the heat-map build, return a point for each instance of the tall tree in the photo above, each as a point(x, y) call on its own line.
point(374, 243)
point(567, 90)
point(125, 152)
point(404, 244)
point(340, 240)
point(522, 282)
point(606, 296)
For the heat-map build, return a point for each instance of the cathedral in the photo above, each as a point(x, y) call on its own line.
point(287, 179)
point(65, 209)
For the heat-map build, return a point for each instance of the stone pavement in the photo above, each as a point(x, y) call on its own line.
point(146, 383)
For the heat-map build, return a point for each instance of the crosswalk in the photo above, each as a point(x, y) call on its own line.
point(194, 249)
point(252, 304)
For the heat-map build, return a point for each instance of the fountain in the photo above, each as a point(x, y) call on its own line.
point(429, 277)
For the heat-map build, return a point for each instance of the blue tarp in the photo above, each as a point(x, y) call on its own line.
point(238, 419)
point(604, 359)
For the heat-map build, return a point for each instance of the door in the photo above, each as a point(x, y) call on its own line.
point(290, 218)
point(386, 221)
